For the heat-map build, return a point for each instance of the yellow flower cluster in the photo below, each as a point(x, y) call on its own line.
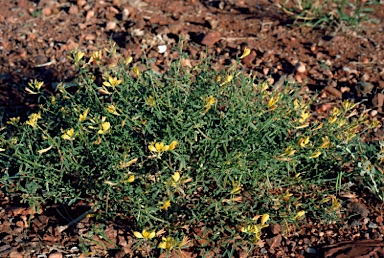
point(33, 119)
point(160, 147)
point(209, 101)
point(34, 86)
point(255, 229)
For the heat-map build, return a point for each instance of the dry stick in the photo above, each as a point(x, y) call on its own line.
point(78, 219)
point(240, 38)
point(46, 64)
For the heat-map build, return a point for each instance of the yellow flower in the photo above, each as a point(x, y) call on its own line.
point(325, 143)
point(96, 55)
point(136, 70)
point(251, 229)
point(128, 60)
point(145, 234)
point(130, 179)
point(349, 135)
point(304, 116)
point(289, 151)
point(150, 101)
point(78, 56)
point(165, 205)
point(69, 135)
point(112, 82)
point(299, 215)
point(168, 243)
point(332, 119)
point(348, 105)
point(246, 52)
point(104, 128)
point(272, 101)
point(173, 145)
point(33, 119)
point(336, 112)
point(288, 195)
point(374, 123)
point(264, 86)
point(158, 147)
point(236, 188)
point(228, 79)
point(315, 154)
point(113, 110)
point(341, 122)
point(176, 177)
point(296, 104)
point(83, 116)
point(303, 141)
point(335, 204)
point(209, 101)
point(13, 120)
point(264, 219)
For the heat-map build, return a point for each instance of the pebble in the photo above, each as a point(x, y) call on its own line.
point(300, 67)
point(111, 25)
point(125, 14)
point(374, 113)
point(263, 251)
point(372, 225)
point(161, 49)
point(355, 223)
point(211, 38)
point(311, 250)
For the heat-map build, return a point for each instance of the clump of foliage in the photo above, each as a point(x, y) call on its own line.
point(192, 148)
point(329, 13)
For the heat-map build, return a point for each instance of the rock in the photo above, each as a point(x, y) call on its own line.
point(90, 15)
point(356, 207)
point(335, 92)
point(211, 38)
point(47, 11)
point(364, 88)
point(81, 3)
point(55, 255)
point(15, 254)
point(249, 58)
point(275, 228)
point(74, 9)
point(274, 242)
point(161, 49)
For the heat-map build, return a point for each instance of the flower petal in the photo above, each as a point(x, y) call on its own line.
point(138, 234)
